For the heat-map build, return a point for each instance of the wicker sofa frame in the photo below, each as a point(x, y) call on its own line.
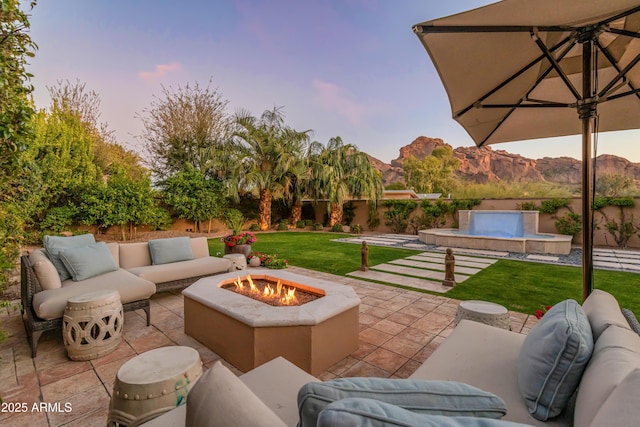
point(33, 325)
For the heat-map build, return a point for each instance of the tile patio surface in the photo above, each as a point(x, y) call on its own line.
point(399, 329)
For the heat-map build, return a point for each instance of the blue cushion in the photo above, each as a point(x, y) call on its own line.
point(55, 244)
point(173, 249)
point(424, 396)
point(88, 261)
point(552, 359)
point(359, 412)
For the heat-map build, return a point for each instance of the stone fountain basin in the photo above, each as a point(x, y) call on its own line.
point(248, 332)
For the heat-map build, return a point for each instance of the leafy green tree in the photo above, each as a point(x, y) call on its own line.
point(193, 196)
point(121, 201)
point(434, 173)
point(339, 172)
point(62, 149)
point(189, 125)
point(16, 110)
point(615, 185)
point(108, 154)
point(268, 159)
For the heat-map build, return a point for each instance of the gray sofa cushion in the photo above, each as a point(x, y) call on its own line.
point(173, 249)
point(88, 261)
point(553, 357)
point(55, 244)
point(50, 304)
point(182, 270)
point(360, 412)
point(422, 396)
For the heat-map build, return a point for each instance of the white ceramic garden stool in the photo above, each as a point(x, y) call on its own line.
point(92, 324)
point(238, 260)
point(153, 383)
point(484, 312)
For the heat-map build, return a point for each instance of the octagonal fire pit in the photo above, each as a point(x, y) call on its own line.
point(247, 332)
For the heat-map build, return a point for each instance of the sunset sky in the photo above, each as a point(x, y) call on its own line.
point(349, 68)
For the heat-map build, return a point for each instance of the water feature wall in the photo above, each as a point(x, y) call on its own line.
point(511, 231)
point(506, 224)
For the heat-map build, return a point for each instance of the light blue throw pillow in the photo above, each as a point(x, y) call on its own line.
point(88, 261)
point(172, 249)
point(421, 396)
point(359, 412)
point(54, 244)
point(553, 358)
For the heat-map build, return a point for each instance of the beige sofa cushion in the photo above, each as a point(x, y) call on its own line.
point(161, 273)
point(616, 354)
point(484, 357)
point(134, 255)
point(275, 383)
point(621, 409)
point(603, 310)
point(200, 247)
point(46, 272)
point(114, 248)
point(219, 398)
point(50, 304)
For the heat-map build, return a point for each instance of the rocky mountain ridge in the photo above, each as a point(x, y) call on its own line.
point(484, 164)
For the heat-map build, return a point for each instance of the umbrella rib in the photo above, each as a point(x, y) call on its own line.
point(626, 33)
point(621, 72)
point(517, 74)
point(541, 77)
point(620, 15)
point(556, 66)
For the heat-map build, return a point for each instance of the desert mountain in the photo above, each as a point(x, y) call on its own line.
point(488, 165)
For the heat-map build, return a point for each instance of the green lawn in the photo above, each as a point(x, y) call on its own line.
point(518, 285)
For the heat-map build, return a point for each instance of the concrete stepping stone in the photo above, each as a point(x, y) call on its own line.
point(459, 261)
point(440, 255)
point(417, 272)
point(410, 262)
point(632, 267)
point(396, 279)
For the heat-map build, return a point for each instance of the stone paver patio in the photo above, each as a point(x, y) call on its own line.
point(399, 329)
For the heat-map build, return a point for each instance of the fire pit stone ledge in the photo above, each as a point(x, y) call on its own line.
point(248, 332)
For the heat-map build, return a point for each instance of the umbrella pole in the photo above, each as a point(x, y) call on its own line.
point(587, 112)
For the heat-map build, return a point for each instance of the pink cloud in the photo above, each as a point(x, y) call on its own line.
point(161, 70)
point(333, 97)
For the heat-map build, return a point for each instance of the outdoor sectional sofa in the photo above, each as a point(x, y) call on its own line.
point(135, 270)
point(601, 341)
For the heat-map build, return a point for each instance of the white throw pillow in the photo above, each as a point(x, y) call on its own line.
point(220, 399)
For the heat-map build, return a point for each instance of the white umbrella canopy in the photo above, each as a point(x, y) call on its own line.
point(520, 70)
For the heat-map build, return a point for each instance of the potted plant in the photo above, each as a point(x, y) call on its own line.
point(238, 243)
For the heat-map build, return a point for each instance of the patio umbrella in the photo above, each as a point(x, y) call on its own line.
point(521, 69)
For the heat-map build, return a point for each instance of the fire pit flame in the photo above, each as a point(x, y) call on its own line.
point(282, 294)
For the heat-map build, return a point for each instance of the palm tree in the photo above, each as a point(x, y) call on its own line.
point(269, 157)
point(341, 171)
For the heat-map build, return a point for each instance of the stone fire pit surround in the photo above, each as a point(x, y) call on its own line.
point(247, 332)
